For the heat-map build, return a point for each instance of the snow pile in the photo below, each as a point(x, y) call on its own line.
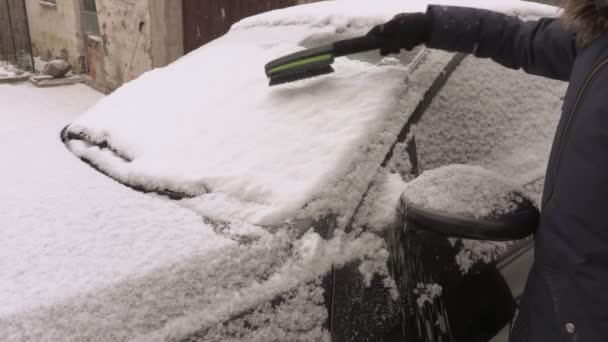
point(463, 189)
point(8, 70)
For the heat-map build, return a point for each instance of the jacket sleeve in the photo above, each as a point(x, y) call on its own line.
point(542, 47)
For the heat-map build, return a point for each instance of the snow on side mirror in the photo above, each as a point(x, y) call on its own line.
point(468, 202)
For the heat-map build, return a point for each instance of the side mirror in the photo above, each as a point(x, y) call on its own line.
point(428, 204)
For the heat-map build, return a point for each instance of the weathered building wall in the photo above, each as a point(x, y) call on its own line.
point(167, 31)
point(56, 31)
point(134, 36)
point(124, 51)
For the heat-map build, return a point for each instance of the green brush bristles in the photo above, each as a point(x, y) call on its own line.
point(301, 65)
point(300, 74)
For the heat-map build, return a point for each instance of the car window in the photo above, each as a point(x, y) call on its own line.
point(494, 117)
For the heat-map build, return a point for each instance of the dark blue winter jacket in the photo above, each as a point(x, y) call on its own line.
point(566, 297)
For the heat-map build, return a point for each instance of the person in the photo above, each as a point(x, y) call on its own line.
point(566, 296)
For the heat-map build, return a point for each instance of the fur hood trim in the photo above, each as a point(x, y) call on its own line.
point(583, 17)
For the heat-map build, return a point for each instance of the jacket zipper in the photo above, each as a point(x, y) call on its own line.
point(566, 130)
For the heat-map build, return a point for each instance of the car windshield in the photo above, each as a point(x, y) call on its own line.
point(210, 128)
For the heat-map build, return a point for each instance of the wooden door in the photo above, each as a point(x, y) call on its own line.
point(15, 44)
point(205, 20)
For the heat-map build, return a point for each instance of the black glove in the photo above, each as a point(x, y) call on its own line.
point(404, 31)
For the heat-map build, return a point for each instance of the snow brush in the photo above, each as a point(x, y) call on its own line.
point(317, 61)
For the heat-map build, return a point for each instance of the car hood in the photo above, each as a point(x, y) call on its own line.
point(209, 128)
point(85, 258)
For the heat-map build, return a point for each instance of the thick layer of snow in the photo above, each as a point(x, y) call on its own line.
point(85, 258)
point(241, 142)
point(231, 142)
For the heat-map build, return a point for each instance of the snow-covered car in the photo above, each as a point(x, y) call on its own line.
point(276, 214)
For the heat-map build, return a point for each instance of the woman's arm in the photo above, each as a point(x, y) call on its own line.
point(542, 47)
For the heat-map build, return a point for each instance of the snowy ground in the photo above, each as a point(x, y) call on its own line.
point(9, 71)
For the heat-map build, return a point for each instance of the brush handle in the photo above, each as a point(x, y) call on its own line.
point(357, 45)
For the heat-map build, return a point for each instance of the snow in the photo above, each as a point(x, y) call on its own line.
point(463, 189)
point(299, 318)
point(225, 150)
point(427, 293)
point(8, 70)
point(470, 191)
point(83, 230)
point(229, 140)
point(291, 271)
point(474, 251)
point(83, 257)
point(26, 107)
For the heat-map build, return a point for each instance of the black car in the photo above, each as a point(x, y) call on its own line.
point(303, 186)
